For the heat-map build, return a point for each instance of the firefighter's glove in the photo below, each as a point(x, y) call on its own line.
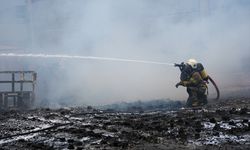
point(178, 84)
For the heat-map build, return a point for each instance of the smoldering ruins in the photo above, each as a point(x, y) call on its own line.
point(100, 74)
point(220, 125)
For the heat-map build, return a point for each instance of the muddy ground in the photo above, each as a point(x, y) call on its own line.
point(224, 124)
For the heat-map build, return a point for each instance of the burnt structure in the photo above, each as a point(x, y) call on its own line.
point(17, 89)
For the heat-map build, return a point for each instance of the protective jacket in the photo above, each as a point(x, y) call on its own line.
point(195, 80)
point(196, 88)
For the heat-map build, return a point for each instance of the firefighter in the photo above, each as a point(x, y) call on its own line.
point(194, 77)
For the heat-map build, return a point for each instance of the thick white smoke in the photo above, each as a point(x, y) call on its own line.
point(214, 32)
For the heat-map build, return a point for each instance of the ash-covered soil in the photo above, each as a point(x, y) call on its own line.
point(223, 124)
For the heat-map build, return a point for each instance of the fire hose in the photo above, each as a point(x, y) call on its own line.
point(215, 86)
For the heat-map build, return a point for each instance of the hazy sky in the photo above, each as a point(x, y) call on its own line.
point(215, 32)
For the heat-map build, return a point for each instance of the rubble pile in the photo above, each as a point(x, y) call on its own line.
point(223, 124)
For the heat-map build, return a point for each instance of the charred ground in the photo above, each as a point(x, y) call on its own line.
point(223, 124)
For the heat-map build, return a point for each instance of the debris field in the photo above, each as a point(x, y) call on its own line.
point(223, 124)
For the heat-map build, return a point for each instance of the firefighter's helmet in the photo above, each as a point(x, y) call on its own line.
point(193, 63)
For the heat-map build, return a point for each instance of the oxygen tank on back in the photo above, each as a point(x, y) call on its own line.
point(202, 71)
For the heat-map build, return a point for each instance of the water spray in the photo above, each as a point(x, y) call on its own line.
point(83, 57)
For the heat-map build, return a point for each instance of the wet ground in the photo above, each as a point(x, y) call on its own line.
point(220, 125)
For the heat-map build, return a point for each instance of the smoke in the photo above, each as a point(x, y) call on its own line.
point(215, 33)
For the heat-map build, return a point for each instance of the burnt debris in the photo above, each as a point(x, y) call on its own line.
point(221, 124)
